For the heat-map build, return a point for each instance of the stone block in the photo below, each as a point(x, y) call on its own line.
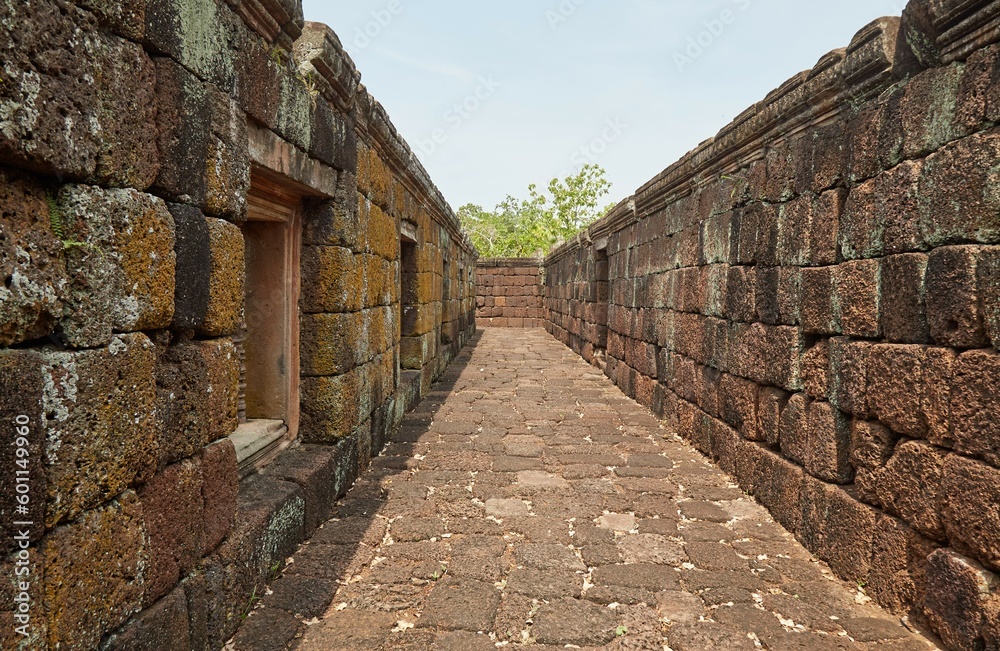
point(880, 217)
point(954, 312)
point(227, 167)
point(219, 490)
point(335, 222)
point(816, 370)
point(330, 407)
point(837, 528)
point(766, 354)
point(904, 299)
point(975, 403)
point(99, 423)
point(970, 492)
point(988, 285)
point(959, 200)
point(741, 302)
point(201, 35)
point(858, 299)
point(793, 434)
point(314, 469)
point(332, 343)
point(121, 261)
point(31, 262)
point(183, 123)
point(928, 111)
point(332, 281)
point(126, 84)
point(775, 482)
point(738, 400)
point(828, 444)
point(872, 445)
point(227, 280)
point(161, 627)
point(196, 396)
point(94, 573)
point(127, 18)
point(898, 577)
point(819, 296)
point(173, 511)
point(895, 383)
point(771, 403)
point(958, 596)
point(194, 262)
point(41, 90)
point(910, 487)
point(269, 527)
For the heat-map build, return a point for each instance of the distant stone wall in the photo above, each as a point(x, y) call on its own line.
point(509, 293)
point(157, 157)
point(812, 298)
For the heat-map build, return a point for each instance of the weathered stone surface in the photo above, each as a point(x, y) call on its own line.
point(164, 625)
point(227, 280)
point(99, 423)
point(173, 511)
point(196, 394)
point(49, 74)
point(126, 82)
point(571, 621)
point(953, 307)
point(314, 469)
point(859, 298)
point(31, 262)
point(970, 491)
point(459, 604)
point(904, 298)
point(228, 164)
point(94, 573)
point(956, 605)
point(910, 486)
point(219, 492)
point(898, 577)
point(121, 260)
point(988, 281)
point(183, 123)
point(331, 407)
point(975, 401)
point(194, 263)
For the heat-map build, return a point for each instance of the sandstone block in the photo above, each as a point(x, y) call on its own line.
point(183, 123)
point(741, 294)
point(954, 311)
point(332, 280)
point(227, 166)
point(85, 600)
point(881, 215)
point(172, 510)
point(31, 262)
point(336, 223)
point(819, 296)
point(975, 402)
point(958, 595)
point(910, 486)
point(898, 578)
point(41, 90)
point(125, 17)
point(164, 625)
point(958, 197)
point(197, 383)
point(126, 82)
point(794, 429)
point(314, 469)
point(194, 261)
point(895, 384)
point(828, 444)
point(988, 285)
point(738, 400)
point(766, 354)
point(121, 261)
point(219, 489)
point(99, 424)
point(330, 407)
point(837, 528)
point(872, 445)
point(227, 280)
point(971, 490)
point(904, 298)
point(928, 111)
point(858, 299)
point(816, 370)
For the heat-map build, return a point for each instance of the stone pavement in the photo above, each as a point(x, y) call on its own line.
point(527, 503)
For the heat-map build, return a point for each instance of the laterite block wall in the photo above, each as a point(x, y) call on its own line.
point(812, 297)
point(509, 293)
point(136, 139)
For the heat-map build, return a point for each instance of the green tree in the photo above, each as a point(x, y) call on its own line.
point(532, 226)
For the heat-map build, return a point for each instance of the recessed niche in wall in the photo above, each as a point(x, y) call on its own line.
point(269, 342)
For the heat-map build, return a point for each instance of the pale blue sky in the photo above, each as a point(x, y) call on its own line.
point(547, 85)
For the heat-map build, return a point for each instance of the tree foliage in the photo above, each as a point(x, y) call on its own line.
point(528, 227)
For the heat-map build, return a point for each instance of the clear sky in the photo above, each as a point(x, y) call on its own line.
point(494, 95)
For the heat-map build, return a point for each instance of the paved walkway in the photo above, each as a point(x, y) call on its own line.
point(528, 503)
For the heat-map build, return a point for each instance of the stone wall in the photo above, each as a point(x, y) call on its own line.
point(812, 297)
point(509, 293)
point(143, 144)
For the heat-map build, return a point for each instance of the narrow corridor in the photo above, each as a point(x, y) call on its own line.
point(528, 503)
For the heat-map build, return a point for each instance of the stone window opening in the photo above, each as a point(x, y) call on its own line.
point(268, 343)
point(408, 299)
point(602, 297)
